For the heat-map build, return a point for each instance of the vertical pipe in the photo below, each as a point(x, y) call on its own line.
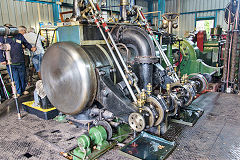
point(234, 56)
point(76, 10)
point(145, 75)
point(227, 47)
point(235, 45)
point(229, 59)
point(179, 11)
point(132, 3)
point(195, 23)
point(239, 71)
point(123, 9)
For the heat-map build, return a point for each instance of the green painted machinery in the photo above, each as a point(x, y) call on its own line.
point(190, 60)
point(83, 149)
point(98, 136)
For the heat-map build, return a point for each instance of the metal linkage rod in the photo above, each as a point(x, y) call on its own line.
point(95, 15)
point(149, 29)
point(4, 87)
point(109, 35)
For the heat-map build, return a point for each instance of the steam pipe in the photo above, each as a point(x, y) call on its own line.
point(144, 49)
point(123, 6)
point(76, 9)
point(149, 29)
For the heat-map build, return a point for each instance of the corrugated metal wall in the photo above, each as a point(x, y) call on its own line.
point(187, 21)
point(25, 13)
point(30, 14)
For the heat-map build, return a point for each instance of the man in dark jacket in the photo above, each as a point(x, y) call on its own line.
point(17, 56)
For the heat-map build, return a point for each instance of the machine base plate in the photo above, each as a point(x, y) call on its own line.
point(96, 153)
point(188, 116)
point(148, 147)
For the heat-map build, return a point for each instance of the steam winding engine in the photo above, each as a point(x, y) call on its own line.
point(84, 79)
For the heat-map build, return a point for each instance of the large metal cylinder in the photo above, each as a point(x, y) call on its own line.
point(69, 75)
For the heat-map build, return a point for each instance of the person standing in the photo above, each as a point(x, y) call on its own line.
point(36, 40)
point(23, 30)
point(17, 56)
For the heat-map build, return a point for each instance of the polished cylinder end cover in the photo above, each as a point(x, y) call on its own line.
point(69, 77)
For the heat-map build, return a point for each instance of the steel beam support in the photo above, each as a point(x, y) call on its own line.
point(56, 11)
point(195, 24)
point(215, 20)
point(35, 1)
point(161, 7)
point(150, 9)
point(211, 10)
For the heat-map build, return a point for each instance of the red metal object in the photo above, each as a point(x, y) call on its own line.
point(98, 8)
point(200, 40)
point(180, 60)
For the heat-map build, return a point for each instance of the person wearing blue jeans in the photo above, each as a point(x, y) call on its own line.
point(37, 59)
point(36, 40)
point(17, 56)
point(19, 76)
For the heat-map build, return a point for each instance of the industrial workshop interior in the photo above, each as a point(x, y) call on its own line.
point(119, 79)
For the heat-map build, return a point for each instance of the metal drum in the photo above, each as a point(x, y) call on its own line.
point(69, 76)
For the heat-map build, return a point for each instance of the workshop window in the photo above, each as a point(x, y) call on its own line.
point(205, 25)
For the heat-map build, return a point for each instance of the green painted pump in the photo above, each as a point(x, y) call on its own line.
point(83, 149)
point(98, 136)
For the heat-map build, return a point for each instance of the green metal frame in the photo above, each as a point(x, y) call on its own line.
point(191, 64)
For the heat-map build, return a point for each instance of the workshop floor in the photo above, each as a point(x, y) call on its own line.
point(214, 136)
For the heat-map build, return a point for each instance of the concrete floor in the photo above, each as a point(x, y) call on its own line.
point(214, 136)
